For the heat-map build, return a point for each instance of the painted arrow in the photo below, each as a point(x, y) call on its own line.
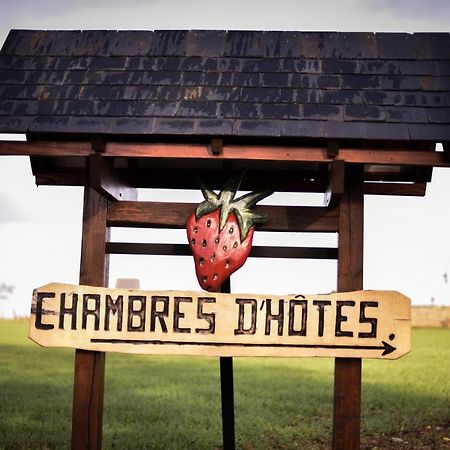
point(387, 348)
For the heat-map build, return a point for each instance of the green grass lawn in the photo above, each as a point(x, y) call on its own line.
point(174, 402)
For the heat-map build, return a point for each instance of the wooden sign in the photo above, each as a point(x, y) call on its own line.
point(368, 324)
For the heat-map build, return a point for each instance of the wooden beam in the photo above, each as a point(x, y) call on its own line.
point(216, 147)
point(335, 187)
point(384, 156)
point(333, 149)
point(294, 252)
point(446, 155)
point(89, 365)
point(347, 377)
point(98, 143)
point(135, 248)
point(44, 148)
point(401, 189)
point(105, 179)
point(281, 153)
point(172, 178)
point(49, 177)
point(284, 182)
point(174, 215)
point(393, 157)
point(401, 174)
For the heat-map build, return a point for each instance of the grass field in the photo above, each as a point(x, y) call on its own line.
point(174, 403)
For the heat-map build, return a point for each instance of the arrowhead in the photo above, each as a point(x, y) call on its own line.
point(387, 348)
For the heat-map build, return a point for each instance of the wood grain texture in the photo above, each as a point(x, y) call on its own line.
point(94, 265)
point(56, 177)
point(174, 215)
point(89, 373)
point(175, 178)
point(87, 414)
point(347, 375)
point(107, 181)
point(371, 324)
point(45, 148)
point(400, 189)
point(335, 187)
point(394, 182)
point(383, 156)
point(393, 157)
point(351, 231)
point(446, 148)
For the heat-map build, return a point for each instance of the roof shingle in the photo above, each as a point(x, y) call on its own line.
point(236, 83)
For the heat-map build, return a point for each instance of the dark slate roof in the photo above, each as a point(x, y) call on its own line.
point(236, 83)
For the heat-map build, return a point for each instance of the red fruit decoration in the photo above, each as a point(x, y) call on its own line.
point(220, 232)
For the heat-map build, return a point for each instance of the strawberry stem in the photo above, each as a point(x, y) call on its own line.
point(225, 201)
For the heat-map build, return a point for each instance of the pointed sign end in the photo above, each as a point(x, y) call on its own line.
point(387, 348)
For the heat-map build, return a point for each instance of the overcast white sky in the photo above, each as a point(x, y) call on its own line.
point(407, 244)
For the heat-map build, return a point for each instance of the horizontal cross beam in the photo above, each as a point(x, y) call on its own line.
point(134, 248)
point(174, 215)
point(383, 156)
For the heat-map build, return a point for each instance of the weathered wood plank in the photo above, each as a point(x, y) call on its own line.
point(393, 157)
point(87, 413)
point(446, 148)
point(351, 231)
point(412, 189)
point(57, 177)
point(172, 178)
point(347, 375)
point(89, 374)
point(383, 156)
point(371, 324)
point(135, 248)
point(174, 215)
point(94, 264)
point(335, 187)
point(44, 148)
point(278, 177)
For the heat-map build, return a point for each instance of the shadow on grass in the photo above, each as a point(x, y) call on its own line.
point(174, 402)
point(36, 388)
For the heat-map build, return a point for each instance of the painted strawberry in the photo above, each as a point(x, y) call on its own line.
point(220, 233)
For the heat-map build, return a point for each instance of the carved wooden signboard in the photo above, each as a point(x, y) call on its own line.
point(368, 324)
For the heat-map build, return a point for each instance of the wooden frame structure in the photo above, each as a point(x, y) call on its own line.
point(343, 114)
point(344, 175)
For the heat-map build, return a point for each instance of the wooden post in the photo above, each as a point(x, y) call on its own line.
point(90, 366)
point(347, 378)
point(227, 393)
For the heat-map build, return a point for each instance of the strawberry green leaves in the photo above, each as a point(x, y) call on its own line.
point(226, 203)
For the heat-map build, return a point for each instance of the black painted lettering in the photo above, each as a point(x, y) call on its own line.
point(277, 317)
point(292, 314)
point(177, 314)
point(241, 317)
point(114, 307)
point(372, 320)
point(95, 312)
point(72, 311)
point(341, 318)
point(321, 308)
point(138, 312)
point(209, 317)
point(154, 313)
point(39, 311)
